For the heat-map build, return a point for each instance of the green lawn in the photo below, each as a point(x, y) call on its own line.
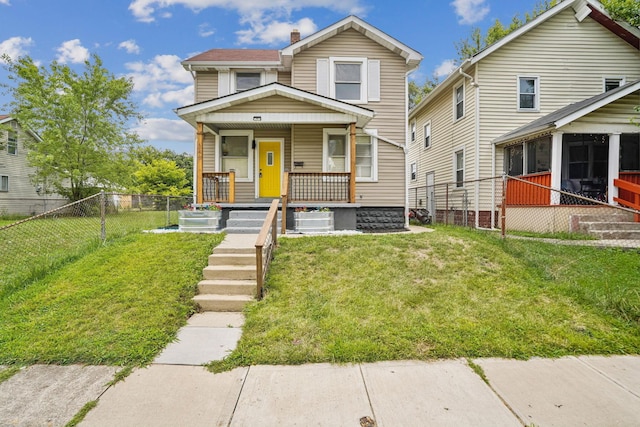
point(119, 304)
point(451, 293)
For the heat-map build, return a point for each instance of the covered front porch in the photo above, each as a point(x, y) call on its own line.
point(588, 151)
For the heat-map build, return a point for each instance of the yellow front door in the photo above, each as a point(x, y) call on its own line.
point(270, 167)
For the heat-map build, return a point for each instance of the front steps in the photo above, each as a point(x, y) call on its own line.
point(230, 278)
point(609, 227)
point(248, 222)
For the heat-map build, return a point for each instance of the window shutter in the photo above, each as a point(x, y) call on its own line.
point(322, 76)
point(271, 77)
point(373, 77)
point(223, 83)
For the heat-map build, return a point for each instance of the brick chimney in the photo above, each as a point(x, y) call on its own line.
point(295, 36)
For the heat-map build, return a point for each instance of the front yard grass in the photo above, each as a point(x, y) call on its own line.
point(120, 304)
point(447, 294)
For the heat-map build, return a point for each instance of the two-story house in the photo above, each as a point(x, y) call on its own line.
point(551, 102)
point(321, 122)
point(18, 194)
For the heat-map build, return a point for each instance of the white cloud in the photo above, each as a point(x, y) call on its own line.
point(204, 30)
point(5, 2)
point(275, 32)
point(72, 51)
point(177, 97)
point(162, 80)
point(470, 11)
point(159, 129)
point(130, 46)
point(15, 47)
point(445, 68)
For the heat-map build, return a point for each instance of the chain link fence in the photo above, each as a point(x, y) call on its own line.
point(35, 245)
point(527, 207)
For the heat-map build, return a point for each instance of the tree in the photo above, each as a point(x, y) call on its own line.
point(624, 10)
point(476, 42)
point(417, 92)
point(82, 120)
point(146, 154)
point(162, 177)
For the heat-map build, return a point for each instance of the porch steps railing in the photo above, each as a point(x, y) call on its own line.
point(632, 192)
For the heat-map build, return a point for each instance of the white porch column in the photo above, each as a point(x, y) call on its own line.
point(556, 166)
point(614, 165)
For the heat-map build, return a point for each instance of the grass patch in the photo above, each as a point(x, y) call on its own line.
point(447, 294)
point(77, 418)
point(120, 304)
point(561, 235)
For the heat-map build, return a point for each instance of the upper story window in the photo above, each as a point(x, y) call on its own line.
point(350, 79)
point(427, 135)
point(611, 83)
point(458, 95)
point(12, 143)
point(414, 171)
point(413, 131)
point(528, 94)
point(246, 81)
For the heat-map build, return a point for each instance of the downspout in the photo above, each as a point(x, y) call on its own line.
point(477, 143)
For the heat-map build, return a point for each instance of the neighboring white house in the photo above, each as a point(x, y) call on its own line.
point(534, 105)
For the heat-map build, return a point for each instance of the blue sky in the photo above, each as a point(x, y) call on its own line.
point(146, 39)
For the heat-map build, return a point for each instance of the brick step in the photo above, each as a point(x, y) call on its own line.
point(253, 214)
point(233, 259)
point(227, 287)
point(214, 302)
point(614, 226)
point(606, 218)
point(616, 235)
point(230, 272)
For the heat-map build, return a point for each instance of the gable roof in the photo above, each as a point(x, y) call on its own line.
point(568, 114)
point(412, 57)
point(582, 8)
point(358, 114)
point(224, 58)
point(4, 117)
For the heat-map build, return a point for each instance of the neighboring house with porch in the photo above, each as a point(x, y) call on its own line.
point(321, 122)
point(18, 193)
point(551, 103)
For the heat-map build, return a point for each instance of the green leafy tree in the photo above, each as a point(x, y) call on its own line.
point(145, 154)
point(417, 92)
point(624, 10)
point(82, 119)
point(476, 41)
point(162, 177)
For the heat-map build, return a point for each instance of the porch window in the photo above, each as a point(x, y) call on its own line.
point(4, 183)
point(459, 102)
point(630, 152)
point(514, 159)
point(459, 168)
point(235, 155)
point(539, 155)
point(364, 158)
point(12, 143)
point(336, 154)
point(336, 158)
point(246, 81)
point(528, 97)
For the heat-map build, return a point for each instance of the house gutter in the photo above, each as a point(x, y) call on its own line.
point(476, 142)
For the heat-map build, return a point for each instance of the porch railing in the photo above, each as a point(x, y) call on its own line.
point(520, 192)
point(319, 187)
point(632, 193)
point(265, 245)
point(219, 187)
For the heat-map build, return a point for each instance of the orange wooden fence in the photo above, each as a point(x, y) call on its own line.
point(524, 194)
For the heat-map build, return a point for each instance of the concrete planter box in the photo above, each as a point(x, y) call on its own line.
point(313, 222)
point(199, 221)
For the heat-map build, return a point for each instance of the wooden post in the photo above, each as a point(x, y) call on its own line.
point(503, 208)
point(285, 201)
point(232, 187)
point(199, 162)
point(352, 177)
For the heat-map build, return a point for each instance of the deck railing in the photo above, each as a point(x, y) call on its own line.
point(265, 245)
point(219, 187)
point(319, 187)
point(520, 192)
point(632, 192)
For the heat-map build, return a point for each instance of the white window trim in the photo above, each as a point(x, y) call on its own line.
point(341, 131)
point(413, 130)
point(536, 107)
point(234, 73)
point(1, 178)
point(364, 73)
point(15, 132)
point(413, 172)
point(250, 151)
point(621, 79)
point(424, 135)
point(455, 102)
point(455, 166)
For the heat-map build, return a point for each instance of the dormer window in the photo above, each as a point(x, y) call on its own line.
point(246, 81)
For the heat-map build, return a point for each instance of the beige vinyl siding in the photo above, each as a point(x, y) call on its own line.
point(307, 147)
point(209, 153)
point(620, 113)
point(284, 78)
point(206, 85)
point(390, 116)
point(276, 104)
